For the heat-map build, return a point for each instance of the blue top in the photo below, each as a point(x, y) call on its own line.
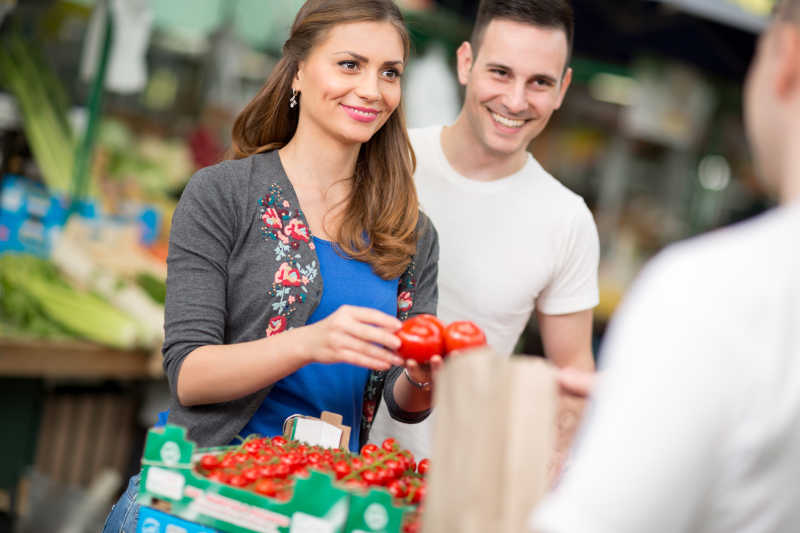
point(321, 387)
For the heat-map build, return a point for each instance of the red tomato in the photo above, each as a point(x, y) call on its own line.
point(252, 474)
point(282, 470)
point(398, 489)
point(462, 335)
point(209, 462)
point(278, 441)
point(423, 466)
point(394, 467)
point(419, 494)
point(388, 445)
point(266, 487)
point(314, 458)
point(238, 481)
point(341, 468)
point(370, 477)
point(218, 475)
point(252, 447)
point(368, 449)
point(421, 338)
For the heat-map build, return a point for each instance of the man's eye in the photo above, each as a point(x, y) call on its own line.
point(499, 72)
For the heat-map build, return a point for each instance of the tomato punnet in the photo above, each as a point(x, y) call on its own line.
point(461, 335)
point(421, 337)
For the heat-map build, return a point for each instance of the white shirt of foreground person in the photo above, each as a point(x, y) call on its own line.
point(695, 424)
point(506, 248)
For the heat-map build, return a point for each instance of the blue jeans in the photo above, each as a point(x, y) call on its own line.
point(125, 512)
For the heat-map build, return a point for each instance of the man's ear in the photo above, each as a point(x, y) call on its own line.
point(464, 62)
point(565, 82)
point(787, 76)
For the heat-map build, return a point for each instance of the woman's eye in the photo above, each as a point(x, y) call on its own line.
point(392, 74)
point(349, 65)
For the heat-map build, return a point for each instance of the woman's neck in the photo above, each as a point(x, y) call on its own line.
point(318, 161)
point(320, 169)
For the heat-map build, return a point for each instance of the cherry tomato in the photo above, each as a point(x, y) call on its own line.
point(421, 338)
point(368, 449)
point(314, 458)
point(388, 445)
point(462, 335)
point(282, 470)
point(238, 481)
point(419, 494)
point(341, 468)
point(209, 462)
point(395, 468)
point(397, 488)
point(278, 441)
point(370, 477)
point(423, 466)
point(266, 487)
point(218, 475)
point(252, 474)
point(253, 447)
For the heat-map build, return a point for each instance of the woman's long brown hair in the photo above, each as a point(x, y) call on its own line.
point(379, 222)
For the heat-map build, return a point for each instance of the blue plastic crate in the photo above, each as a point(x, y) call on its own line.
point(152, 521)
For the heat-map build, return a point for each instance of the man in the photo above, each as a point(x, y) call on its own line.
point(695, 425)
point(513, 240)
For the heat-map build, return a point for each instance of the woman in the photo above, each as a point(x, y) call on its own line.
point(290, 265)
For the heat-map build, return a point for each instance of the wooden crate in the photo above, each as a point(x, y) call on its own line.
point(84, 432)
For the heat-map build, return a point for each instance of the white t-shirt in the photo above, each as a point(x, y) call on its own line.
point(506, 247)
point(695, 426)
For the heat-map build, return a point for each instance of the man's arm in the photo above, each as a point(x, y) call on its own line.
point(567, 341)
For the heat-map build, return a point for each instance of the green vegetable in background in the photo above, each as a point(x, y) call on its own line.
point(45, 124)
point(154, 287)
point(36, 300)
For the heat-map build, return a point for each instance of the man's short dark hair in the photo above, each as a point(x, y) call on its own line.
point(556, 14)
point(788, 10)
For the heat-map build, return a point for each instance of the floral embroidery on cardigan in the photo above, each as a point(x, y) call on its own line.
point(286, 228)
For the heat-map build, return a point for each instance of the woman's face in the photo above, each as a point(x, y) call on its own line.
point(349, 84)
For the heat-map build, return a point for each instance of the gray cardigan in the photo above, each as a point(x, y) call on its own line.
point(242, 265)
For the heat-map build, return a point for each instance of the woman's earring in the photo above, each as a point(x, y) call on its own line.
point(293, 100)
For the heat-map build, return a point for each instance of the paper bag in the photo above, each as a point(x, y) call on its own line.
point(494, 436)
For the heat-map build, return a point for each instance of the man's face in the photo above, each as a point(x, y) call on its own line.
point(514, 84)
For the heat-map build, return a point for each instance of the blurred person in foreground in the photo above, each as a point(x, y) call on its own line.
point(695, 422)
point(513, 239)
point(291, 265)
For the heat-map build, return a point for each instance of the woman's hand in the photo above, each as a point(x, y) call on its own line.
point(357, 335)
point(425, 373)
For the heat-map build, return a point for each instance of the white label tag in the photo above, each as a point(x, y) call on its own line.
point(165, 483)
point(317, 432)
point(303, 523)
